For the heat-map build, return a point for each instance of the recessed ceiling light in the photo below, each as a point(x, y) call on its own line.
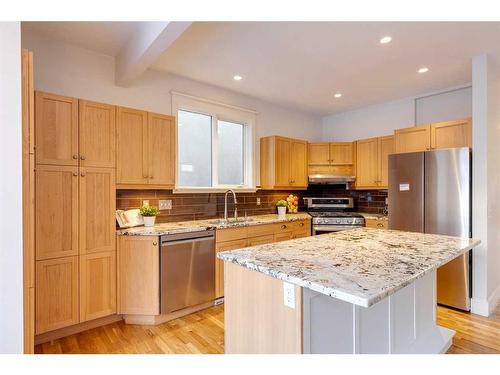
point(337, 95)
point(237, 78)
point(385, 40)
point(423, 70)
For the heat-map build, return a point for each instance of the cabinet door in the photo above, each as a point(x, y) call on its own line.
point(452, 134)
point(97, 210)
point(56, 293)
point(97, 129)
point(413, 139)
point(283, 236)
point(374, 223)
point(282, 161)
point(298, 163)
point(161, 149)
point(319, 153)
point(138, 275)
point(97, 285)
point(367, 165)
point(219, 264)
point(56, 129)
point(56, 211)
point(260, 240)
point(386, 147)
point(341, 153)
point(131, 146)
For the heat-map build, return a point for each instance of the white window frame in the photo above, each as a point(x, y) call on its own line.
point(220, 112)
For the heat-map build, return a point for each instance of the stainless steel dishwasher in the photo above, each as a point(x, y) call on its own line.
point(187, 270)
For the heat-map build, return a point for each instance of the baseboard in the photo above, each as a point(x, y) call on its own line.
point(77, 328)
point(493, 300)
point(479, 307)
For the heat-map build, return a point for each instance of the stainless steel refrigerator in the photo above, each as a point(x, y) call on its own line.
point(430, 192)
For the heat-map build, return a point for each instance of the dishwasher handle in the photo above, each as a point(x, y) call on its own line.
point(190, 240)
point(188, 236)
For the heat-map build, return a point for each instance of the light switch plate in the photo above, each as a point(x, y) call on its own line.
point(165, 204)
point(258, 201)
point(289, 294)
point(145, 202)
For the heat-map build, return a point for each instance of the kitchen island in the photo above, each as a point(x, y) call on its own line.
point(357, 291)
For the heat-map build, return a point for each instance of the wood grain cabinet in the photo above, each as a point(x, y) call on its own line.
point(97, 285)
point(447, 134)
point(145, 149)
point(379, 224)
point(56, 129)
point(283, 163)
point(333, 158)
point(372, 162)
point(56, 293)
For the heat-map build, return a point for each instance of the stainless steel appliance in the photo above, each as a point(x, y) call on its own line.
point(327, 179)
point(332, 214)
point(187, 270)
point(430, 192)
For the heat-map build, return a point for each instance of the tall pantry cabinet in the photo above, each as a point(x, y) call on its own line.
point(74, 211)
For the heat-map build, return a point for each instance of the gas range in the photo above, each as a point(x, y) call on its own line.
point(333, 214)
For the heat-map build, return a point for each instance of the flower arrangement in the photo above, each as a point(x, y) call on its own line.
point(149, 214)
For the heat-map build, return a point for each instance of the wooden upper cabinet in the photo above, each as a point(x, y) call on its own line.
point(319, 153)
point(412, 139)
point(161, 150)
point(367, 165)
point(341, 153)
point(451, 134)
point(97, 129)
point(56, 293)
point(386, 147)
point(132, 143)
point(283, 163)
point(97, 205)
point(97, 285)
point(56, 129)
point(298, 163)
point(56, 211)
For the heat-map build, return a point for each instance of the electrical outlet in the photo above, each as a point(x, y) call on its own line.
point(165, 204)
point(289, 294)
point(386, 200)
point(258, 201)
point(145, 202)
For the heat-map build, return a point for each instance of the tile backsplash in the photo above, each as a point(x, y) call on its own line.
point(211, 205)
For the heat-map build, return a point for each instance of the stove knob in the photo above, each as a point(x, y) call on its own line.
point(337, 221)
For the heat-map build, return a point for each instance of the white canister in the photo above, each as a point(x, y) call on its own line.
point(282, 211)
point(149, 221)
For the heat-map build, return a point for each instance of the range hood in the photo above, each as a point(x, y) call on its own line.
point(318, 179)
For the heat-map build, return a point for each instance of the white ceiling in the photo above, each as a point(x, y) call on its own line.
point(302, 64)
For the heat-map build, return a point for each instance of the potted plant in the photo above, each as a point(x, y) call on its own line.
point(281, 204)
point(149, 214)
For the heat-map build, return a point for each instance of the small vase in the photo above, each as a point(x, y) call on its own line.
point(149, 221)
point(281, 211)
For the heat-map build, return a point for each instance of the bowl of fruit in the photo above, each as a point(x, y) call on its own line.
point(293, 203)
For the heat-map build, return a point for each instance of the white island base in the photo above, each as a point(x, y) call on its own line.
point(258, 321)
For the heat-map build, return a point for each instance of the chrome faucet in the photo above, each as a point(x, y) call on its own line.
point(235, 203)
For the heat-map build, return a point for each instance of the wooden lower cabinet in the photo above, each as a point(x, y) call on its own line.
point(97, 285)
point(56, 293)
point(138, 276)
point(237, 238)
point(374, 223)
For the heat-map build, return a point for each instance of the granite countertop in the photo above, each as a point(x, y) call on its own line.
point(359, 266)
point(374, 216)
point(200, 225)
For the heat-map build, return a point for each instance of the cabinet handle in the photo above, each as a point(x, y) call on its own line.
point(82, 157)
point(75, 174)
point(155, 243)
point(82, 174)
point(301, 224)
point(144, 176)
point(380, 225)
point(283, 226)
point(75, 157)
point(151, 177)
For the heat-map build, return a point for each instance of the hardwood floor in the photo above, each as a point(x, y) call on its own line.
point(198, 333)
point(475, 334)
point(203, 332)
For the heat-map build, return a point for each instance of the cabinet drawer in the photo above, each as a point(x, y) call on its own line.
point(283, 236)
point(301, 225)
point(261, 230)
point(374, 223)
point(230, 234)
point(301, 234)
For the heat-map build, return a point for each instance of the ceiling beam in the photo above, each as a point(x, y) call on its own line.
point(149, 42)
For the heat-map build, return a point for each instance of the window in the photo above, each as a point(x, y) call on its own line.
point(214, 145)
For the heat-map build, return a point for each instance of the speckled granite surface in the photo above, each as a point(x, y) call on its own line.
point(199, 225)
point(360, 266)
point(374, 216)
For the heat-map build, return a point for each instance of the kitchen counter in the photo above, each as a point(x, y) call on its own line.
point(199, 225)
point(357, 291)
point(360, 266)
point(369, 216)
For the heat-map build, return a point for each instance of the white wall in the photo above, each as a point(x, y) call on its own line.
point(69, 70)
point(11, 252)
point(384, 118)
